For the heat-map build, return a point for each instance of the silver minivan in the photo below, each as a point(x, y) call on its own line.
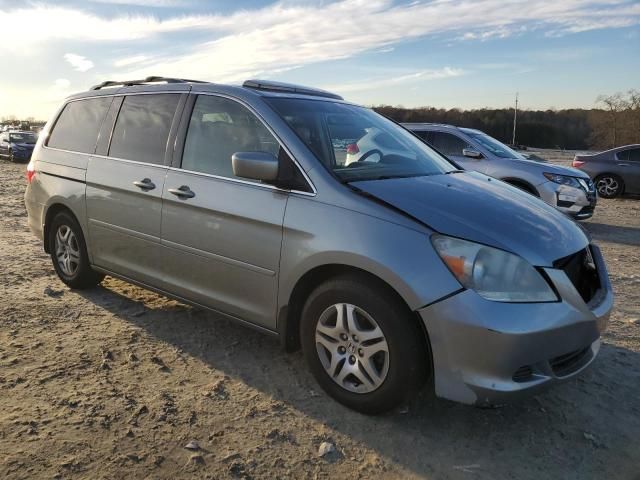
point(389, 274)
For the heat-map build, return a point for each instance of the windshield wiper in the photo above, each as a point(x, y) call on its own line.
point(450, 172)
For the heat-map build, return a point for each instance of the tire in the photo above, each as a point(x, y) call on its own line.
point(11, 157)
point(69, 253)
point(609, 185)
point(394, 376)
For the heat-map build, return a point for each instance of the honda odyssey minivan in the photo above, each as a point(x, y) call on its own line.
point(388, 274)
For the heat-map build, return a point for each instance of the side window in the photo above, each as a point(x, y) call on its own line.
point(78, 125)
point(448, 144)
point(425, 135)
point(218, 128)
point(142, 128)
point(634, 155)
point(623, 155)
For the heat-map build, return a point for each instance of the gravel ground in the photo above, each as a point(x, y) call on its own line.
point(115, 383)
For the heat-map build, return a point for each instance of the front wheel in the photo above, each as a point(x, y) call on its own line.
point(362, 344)
point(609, 185)
point(69, 253)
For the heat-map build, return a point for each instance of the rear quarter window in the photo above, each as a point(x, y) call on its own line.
point(77, 127)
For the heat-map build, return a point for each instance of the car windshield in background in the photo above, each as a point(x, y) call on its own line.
point(23, 138)
point(494, 146)
point(356, 143)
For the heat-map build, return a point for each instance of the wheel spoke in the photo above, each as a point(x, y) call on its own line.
point(352, 321)
point(370, 336)
point(330, 345)
point(372, 377)
point(328, 331)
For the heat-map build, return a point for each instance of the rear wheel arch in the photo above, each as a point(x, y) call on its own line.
point(52, 211)
point(289, 316)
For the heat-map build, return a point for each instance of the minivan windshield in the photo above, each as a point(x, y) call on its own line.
point(29, 138)
point(356, 143)
point(496, 147)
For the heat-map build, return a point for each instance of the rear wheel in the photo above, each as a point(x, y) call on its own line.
point(362, 344)
point(69, 253)
point(609, 185)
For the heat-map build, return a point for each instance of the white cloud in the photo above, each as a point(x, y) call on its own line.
point(128, 61)
point(62, 84)
point(78, 62)
point(281, 36)
point(378, 83)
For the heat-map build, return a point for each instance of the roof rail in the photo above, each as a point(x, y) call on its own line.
point(270, 86)
point(152, 79)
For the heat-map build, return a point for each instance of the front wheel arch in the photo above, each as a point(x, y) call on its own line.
point(522, 185)
point(288, 322)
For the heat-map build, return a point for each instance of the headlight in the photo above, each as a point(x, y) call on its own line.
point(492, 273)
point(563, 179)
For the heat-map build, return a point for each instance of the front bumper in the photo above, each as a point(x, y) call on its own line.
point(488, 353)
point(572, 201)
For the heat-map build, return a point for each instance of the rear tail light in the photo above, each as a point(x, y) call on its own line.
point(352, 149)
point(577, 163)
point(31, 171)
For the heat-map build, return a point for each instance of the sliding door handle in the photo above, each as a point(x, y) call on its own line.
point(145, 184)
point(183, 192)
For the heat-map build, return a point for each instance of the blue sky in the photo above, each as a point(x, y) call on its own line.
point(442, 53)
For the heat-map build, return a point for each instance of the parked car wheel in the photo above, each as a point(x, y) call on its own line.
point(609, 185)
point(362, 344)
point(69, 253)
point(11, 157)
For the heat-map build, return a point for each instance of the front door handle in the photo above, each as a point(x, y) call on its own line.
point(145, 184)
point(624, 164)
point(183, 192)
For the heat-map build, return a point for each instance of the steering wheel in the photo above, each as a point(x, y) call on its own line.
point(370, 153)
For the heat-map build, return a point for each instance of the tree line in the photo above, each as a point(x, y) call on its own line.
point(614, 122)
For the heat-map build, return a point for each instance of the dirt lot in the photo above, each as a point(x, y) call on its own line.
point(114, 383)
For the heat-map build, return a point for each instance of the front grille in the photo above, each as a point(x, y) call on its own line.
point(570, 362)
point(581, 270)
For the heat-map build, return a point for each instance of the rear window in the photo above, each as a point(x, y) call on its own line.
point(142, 129)
point(78, 125)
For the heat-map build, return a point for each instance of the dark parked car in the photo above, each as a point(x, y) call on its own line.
point(17, 146)
point(614, 171)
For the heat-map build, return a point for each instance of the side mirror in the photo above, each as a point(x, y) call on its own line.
point(255, 166)
point(468, 152)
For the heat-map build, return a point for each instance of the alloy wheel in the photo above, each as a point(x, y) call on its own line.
point(352, 348)
point(67, 250)
point(607, 186)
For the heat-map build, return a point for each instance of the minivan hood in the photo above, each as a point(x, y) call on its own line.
point(475, 207)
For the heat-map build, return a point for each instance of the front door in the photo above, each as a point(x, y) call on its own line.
point(124, 189)
point(222, 234)
point(452, 146)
